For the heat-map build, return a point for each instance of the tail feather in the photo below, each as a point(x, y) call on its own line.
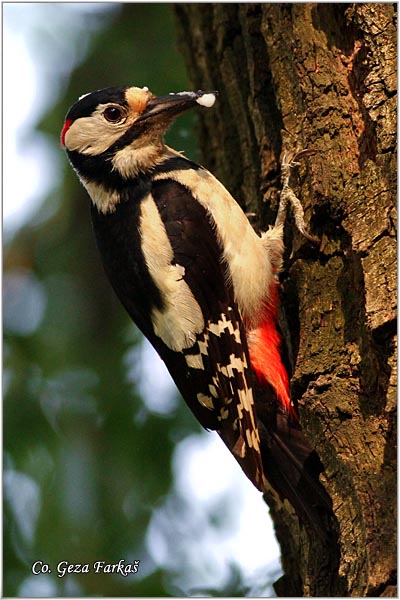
point(290, 464)
point(292, 468)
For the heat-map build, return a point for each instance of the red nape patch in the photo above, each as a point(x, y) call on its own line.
point(67, 125)
point(266, 361)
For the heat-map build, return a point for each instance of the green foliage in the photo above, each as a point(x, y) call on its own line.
point(93, 469)
point(86, 464)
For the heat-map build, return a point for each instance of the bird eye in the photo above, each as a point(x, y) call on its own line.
point(113, 114)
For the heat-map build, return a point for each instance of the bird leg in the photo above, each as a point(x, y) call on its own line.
point(289, 197)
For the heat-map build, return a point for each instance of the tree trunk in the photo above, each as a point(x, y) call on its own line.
point(320, 76)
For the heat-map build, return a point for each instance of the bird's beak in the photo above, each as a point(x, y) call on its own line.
point(167, 107)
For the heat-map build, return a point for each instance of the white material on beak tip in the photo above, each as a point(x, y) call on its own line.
point(206, 100)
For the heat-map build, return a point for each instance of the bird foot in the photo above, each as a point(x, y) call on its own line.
point(288, 197)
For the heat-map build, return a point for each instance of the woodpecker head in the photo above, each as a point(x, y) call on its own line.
point(121, 130)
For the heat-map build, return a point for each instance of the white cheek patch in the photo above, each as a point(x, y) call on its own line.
point(181, 319)
point(93, 135)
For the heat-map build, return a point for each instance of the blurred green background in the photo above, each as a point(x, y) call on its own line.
point(101, 460)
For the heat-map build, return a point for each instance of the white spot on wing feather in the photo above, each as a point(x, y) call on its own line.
point(239, 449)
point(194, 361)
point(205, 401)
point(223, 413)
point(235, 363)
point(213, 391)
point(225, 325)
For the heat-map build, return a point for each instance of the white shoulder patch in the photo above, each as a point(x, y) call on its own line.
point(248, 255)
point(181, 319)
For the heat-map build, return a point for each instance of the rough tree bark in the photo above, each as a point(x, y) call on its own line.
point(321, 76)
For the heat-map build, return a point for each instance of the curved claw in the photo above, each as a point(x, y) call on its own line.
point(289, 197)
point(302, 153)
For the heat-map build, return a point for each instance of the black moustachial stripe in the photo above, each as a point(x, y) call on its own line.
point(99, 169)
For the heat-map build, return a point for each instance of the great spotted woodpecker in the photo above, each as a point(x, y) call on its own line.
point(196, 279)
